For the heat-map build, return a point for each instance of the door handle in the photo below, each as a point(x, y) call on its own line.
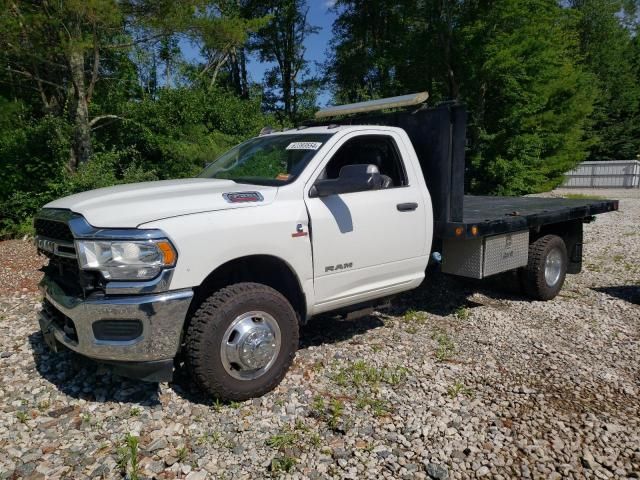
point(407, 207)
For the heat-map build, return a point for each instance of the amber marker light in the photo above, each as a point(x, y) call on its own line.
point(459, 231)
point(169, 255)
point(474, 230)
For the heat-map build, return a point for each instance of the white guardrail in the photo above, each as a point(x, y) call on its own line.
point(606, 174)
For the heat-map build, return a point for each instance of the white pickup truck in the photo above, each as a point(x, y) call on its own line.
point(221, 270)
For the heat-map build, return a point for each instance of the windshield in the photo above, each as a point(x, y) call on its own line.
point(269, 160)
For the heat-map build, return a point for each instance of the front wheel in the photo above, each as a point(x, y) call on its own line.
point(545, 272)
point(241, 341)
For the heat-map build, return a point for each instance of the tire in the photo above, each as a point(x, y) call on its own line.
point(545, 272)
point(226, 316)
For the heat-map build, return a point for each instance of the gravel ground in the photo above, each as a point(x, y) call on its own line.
point(459, 380)
point(19, 267)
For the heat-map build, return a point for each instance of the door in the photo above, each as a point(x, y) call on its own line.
point(367, 244)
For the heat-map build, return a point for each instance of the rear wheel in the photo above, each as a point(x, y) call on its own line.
point(545, 272)
point(241, 341)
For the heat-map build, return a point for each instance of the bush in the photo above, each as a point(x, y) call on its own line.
point(173, 135)
point(103, 170)
point(31, 154)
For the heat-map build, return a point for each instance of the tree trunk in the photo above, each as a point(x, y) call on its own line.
point(243, 75)
point(286, 90)
point(82, 130)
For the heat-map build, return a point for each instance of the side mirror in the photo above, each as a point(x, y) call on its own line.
point(352, 178)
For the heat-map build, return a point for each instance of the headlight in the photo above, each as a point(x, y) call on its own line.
point(126, 260)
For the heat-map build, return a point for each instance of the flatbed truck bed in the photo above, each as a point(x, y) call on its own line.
point(491, 215)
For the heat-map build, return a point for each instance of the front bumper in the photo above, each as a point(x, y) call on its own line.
point(70, 321)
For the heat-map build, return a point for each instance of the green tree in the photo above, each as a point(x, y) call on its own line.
point(223, 31)
point(513, 62)
point(95, 93)
point(290, 90)
point(530, 100)
point(55, 49)
point(372, 48)
point(607, 45)
point(59, 49)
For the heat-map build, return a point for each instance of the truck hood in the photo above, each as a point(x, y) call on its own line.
point(128, 206)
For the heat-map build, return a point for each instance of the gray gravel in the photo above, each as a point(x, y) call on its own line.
point(459, 380)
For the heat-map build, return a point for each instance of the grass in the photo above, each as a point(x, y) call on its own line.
point(446, 348)
point(582, 196)
point(22, 416)
point(414, 319)
point(317, 406)
point(315, 440)
point(330, 413)
point(210, 437)
point(360, 373)
point(462, 313)
point(217, 405)
point(459, 388)
point(317, 366)
point(122, 458)
point(300, 425)
point(336, 409)
point(282, 464)
point(411, 328)
point(289, 437)
point(127, 457)
point(182, 453)
point(286, 438)
point(378, 407)
point(135, 411)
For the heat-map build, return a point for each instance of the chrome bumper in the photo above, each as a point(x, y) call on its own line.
point(162, 316)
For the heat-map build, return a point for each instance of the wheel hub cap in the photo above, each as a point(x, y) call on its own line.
point(553, 267)
point(257, 348)
point(250, 345)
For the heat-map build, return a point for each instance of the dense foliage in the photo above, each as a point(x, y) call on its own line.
point(99, 92)
point(547, 83)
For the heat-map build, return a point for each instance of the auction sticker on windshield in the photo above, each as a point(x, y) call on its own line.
point(304, 146)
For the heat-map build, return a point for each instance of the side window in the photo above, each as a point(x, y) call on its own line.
point(378, 150)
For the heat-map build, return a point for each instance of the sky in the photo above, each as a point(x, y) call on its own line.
point(319, 16)
point(317, 45)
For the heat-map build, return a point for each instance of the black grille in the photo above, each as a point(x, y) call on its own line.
point(75, 282)
point(53, 229)
point(118, 330)
point(60, 320)
point(65, 270)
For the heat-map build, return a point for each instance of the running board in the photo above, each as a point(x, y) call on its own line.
point(363, 310)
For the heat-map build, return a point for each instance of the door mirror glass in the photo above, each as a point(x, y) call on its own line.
point(352, 178)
